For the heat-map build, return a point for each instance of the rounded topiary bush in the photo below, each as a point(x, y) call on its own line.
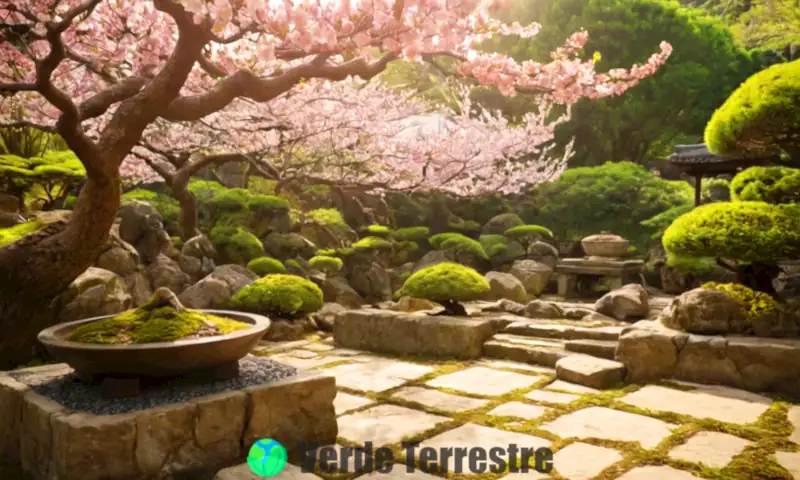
point(381, 231)
point(524, 231)
point(767, 184)
point(411, 234)
point(761, 117)
point(280, 295)
point(372, 243)
point(263, 266)
point(458, 243)
point(328, 265)
point(267, 204)
point(446, 283)
point(236, 244)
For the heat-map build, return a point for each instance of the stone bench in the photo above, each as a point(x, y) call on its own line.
point(615, 272)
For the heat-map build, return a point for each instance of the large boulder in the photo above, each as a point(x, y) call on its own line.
point(543, 309)
point(498, 224)
point(216, 289)
point(533, 275)
point(284, 246)
point(399, 275)
point(325, 317)
point(139, 287)
point(506, 285)
point(628, 302)
point(372, 282)
point(119, 257)
point(543, 253)
point(705, 311)
point(197, 257)
point(432, 258)
point(142, 226)
point(166, 272)
point(94, 293)
point(336, 289)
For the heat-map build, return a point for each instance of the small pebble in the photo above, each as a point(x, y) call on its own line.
point(70, 392)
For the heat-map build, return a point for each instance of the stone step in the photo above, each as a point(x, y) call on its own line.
point(545, 352)
point(590, 371)
point(565, 332)
point(596, 348)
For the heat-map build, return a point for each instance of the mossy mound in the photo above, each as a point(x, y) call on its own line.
point(378, 231)
point(754, 304)
point(411, 234)
point(372, 243)
point(446, 282)
point(162, 319)
point(458, 243)
point(236, 244)
point(329, 265)
point(263, 266)
point(767, 184)
point(12, 234)
point(280, 295)
point(527, 231)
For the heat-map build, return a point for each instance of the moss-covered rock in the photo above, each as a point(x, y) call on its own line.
point(372, 243)
point(284, 296)
point(411, 234)
point(766, 184)
point(289, 245)
point(326, 264)
point(500, 223)
point(458, 243)
point(263, 266)
point(267, 204)
point(381, 231)
point(754, 304)
point(236, 244)
point(528, 231)
point(162, 319)
point(167, 206)
point(445, 283)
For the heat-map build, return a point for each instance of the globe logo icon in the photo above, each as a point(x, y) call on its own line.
point(267, 458)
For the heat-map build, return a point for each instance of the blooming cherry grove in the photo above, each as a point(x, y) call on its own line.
point(100, 72)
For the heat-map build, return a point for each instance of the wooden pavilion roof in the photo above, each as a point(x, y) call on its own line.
point(696, 159)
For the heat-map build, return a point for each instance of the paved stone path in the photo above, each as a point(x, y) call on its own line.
point(668, 431)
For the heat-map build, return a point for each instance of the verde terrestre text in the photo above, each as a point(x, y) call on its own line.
point(474, 460)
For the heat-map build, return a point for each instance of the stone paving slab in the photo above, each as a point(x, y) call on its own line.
point(790, 461)
point(581, 461)
point(441, 400)
point(308, 363)
point(243, 472)
point(712, 449)
point(399, 472)
point(484, 381)
point(605, 423)
point(590, 371)
point(520, 410)
point(571, 387)
point(319, 347)
point(552, 397)
point(517, 366)
point(471, 436)
point(657, 473)
point(386, 424)
point(304, 354)
point(696, 404)
point(794, 417)
point(344, 402)
point(377, 375)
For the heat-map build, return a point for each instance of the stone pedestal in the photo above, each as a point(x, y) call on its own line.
point(192, 438)
point(616, 272)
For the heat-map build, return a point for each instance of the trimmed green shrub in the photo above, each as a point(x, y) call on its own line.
point(458, 243)
point(403, 252)
point(761, 117)
point(691, 265)
point(231, 200)
point(40, 181)
point(12, 234)
point(767, 184)
point(236, 244)
point(754, 304)
point(372, 243)
point(267, 204)
point(663, 220)
point(263, 266)
point(742, 231)
point(494, 245)
point(526, 231)
point(280, 295)
point(715, 190)
point(446, 282)
point(326, 264)
point(378, 231)
point(412, 234)
point(325, 217)
point(205, 190)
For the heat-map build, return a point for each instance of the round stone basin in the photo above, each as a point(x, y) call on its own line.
point(157, 359)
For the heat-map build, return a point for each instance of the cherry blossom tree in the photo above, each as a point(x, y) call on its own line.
point(124, 64)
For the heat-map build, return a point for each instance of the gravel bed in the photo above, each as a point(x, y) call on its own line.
point(64, 388)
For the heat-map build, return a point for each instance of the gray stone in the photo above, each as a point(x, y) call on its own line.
point(139, 287)
point(505, 285)
point(377, 375)
point(325, 317)
point(216, 289)
point(431, 258)
point(94, 293)
point(648, 352)
point(498, 224)
point(386, 424)
point(244, 472)
point(533, 275)
point(372, 282)
point(118, 257)
point(705, 311)
point(484, 381)
point(628, 302)
point(166, 272)
point(93, 447)
point(198, 247)
point(572, 387)
point(547, 396)
point(345, 402)
point(581, 461)
point(590, 371)
point(794, 418)
point(284, 246)
point(141, 226)
point(411, 304)
point(543, 309)
point(543, 253)
point(696, 404)
point(565, 332)
point(518, 409)
point(608, 424)
point(506, 364)
point(11, 400)
point(411, 334)
point(439, 400)
point(337, 290)
point(657, 473)
point(712, 449)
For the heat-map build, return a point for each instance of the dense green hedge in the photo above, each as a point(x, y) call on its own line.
point(762, 117)
point(767, 184)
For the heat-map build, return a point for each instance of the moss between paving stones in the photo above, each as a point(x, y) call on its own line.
point(768, 434)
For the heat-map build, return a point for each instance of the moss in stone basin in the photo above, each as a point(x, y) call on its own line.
point(162, 319)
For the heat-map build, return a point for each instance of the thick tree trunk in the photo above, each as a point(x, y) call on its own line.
point(34, 270)
point(188, 214)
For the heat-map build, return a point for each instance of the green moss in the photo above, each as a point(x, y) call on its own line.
point(458, 243)
point(446, 282)
point(147, 326)
point(691, 265)
point(294, 264)
point(372, 243)
point(412, 234)
point(767, 184)
point(281, 295)
point(761, 117)
point(378, 231)
point(743, 231)
point(236, 244)
point(205, 190)
point(329, 265)
point(231, 200)
point(663, 220)
point(267, 204)
point(263, 266)
point(754, 304)
point(523, 231)
point(177, 242)
point(494, 245)
point(325, 216)
point(12, 234)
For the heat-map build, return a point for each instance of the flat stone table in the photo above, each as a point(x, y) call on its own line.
point(617, 272)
